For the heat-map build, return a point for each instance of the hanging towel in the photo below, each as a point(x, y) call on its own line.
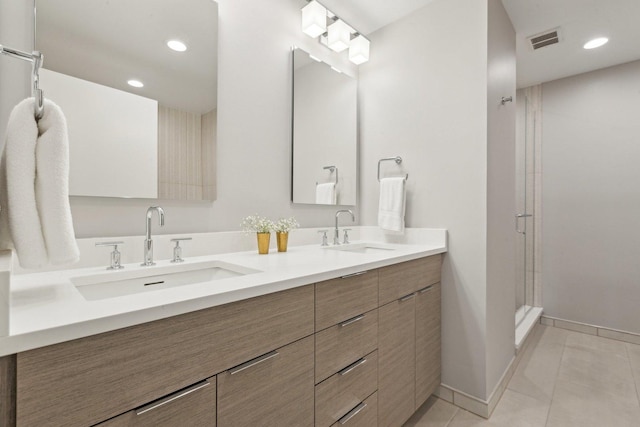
point(392, 204)
point(34, 181)
point(326, 194)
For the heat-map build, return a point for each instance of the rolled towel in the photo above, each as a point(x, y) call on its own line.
point(36, 217)
point(392, 204)
point(326, 194)
point(20, 220)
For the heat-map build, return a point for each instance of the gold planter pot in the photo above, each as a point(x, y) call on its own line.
point(282, 239)
point(263, 242)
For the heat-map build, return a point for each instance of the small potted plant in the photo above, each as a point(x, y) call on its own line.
point(282, 227)
point(262, 227)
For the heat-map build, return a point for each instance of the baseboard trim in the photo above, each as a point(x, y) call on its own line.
point(586, 328)
point(481, 407)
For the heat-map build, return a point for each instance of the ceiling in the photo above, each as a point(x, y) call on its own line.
point(579, 21)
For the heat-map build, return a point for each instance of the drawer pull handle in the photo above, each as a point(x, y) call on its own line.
point(354, 274)
point(352, 320)
point(407, 297)
point(352, 413)
point(253, 362)
point(154, 405)
point(427, 289)
point(353, 366)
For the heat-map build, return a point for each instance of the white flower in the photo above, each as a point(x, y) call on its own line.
point(257, 224)
point(285, 225)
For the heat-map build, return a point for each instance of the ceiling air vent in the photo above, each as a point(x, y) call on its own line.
point(545, 39)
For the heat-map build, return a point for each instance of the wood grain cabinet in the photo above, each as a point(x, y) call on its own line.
point(360, 350)
point(275, 389)
point(428, 348)
point(194, 406)
point(397, 361)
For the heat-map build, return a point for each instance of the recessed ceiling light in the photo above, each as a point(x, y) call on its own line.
point(177, 45)
point(592, 44)
point(135, 83)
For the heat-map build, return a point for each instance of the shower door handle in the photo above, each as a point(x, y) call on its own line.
point(518, 216)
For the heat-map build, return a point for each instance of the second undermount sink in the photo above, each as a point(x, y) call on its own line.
point(363, 248)
point(115, 284)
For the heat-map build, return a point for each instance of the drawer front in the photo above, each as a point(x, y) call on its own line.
point(345, 297)
point(269, 391)
point(343, 391)
point(85, 381)
point(342, 344)
point(402, 279)
point(194, 406)
point(363, 415)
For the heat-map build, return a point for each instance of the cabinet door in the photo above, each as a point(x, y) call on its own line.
point(193, 406)
point(401, 279)
point(396, 361)
point(275, 389)
point(427, 342)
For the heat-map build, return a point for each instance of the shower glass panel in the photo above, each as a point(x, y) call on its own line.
point(525, 196)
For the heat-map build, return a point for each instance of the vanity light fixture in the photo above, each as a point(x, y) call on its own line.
point(339, 36)
point(333, 32)
point(135, 83)
point(359, 49)
point(597, 42)
point(177, 45)
point(314, 19)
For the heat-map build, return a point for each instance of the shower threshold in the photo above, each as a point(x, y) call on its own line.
point(526, 319)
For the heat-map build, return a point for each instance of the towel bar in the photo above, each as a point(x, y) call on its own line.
point(36, 58)
point(396, 159)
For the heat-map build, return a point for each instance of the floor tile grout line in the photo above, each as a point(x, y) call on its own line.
point(452, 416)
point(555, 382)
point(633, 373)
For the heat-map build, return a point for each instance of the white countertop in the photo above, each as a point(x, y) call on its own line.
point(46, 308)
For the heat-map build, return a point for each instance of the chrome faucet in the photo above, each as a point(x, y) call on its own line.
point(336, 234)
point(148, 243)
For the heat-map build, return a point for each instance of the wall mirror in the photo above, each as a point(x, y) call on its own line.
point(153, 141)
point(324, 133)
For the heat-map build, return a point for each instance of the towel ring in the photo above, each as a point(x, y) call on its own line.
point(396, 159)
point(36, 58)
point(331, 169)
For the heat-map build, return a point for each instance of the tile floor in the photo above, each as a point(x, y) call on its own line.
point(564, 379)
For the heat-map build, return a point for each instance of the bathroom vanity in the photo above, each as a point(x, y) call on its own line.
point(348, 336)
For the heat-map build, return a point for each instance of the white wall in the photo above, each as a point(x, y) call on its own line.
point(254, 124)
point(591, 199)
point(424, 97)
point(501, 194)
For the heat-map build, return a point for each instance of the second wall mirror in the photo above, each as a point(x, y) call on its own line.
point(324, 133)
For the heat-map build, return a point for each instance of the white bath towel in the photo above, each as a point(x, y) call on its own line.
point(35, 187)
point(392, 204)
point(326, 194)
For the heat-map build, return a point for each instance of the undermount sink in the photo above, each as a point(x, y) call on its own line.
point(120, 283)
point(363, 248)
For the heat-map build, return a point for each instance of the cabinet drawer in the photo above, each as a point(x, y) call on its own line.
point(362, 415)
point(272, 390)
point(194, 406)
point(343, 391)
point(402, 279)
point(85, 381)
point(345, 297)
point(342, 344)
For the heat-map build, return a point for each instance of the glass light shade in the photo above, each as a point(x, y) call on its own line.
point(359, 50)
point(314, 19)
point(339, 35)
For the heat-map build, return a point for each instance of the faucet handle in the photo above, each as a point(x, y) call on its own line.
point(115, 254)
point(324, 237)
point(177, 250)
point(345, 240)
